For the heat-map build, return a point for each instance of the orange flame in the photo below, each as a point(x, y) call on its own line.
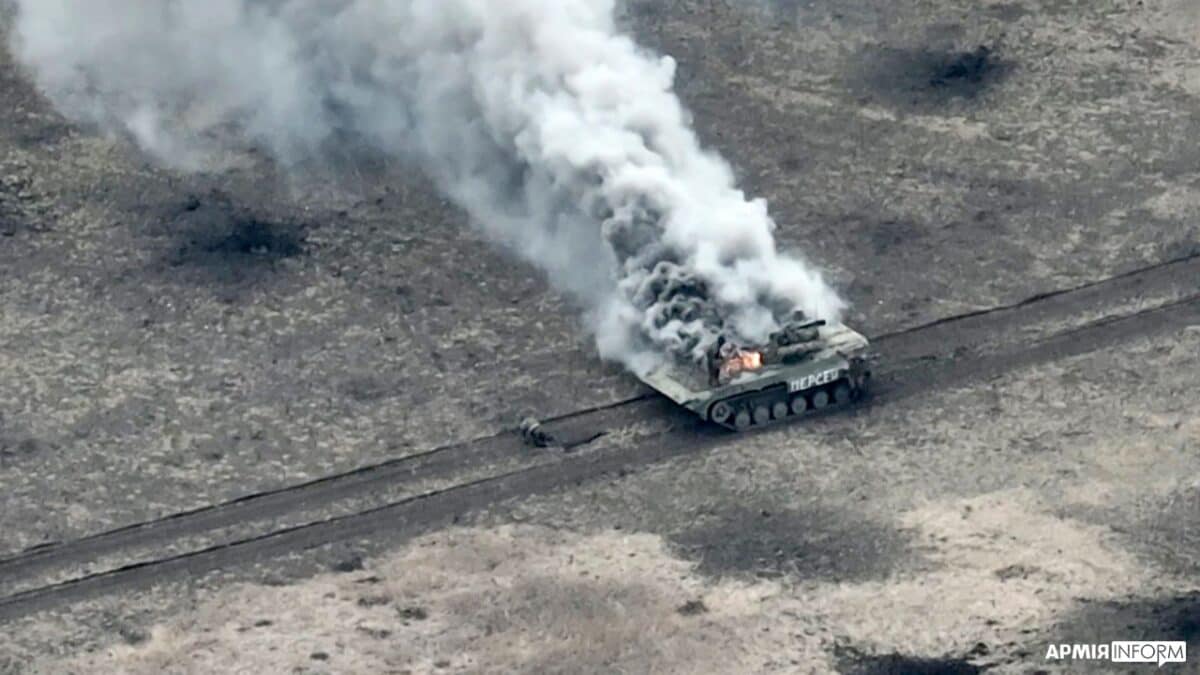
point(741, 362)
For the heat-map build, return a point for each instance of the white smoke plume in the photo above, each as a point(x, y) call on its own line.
point(558, 134)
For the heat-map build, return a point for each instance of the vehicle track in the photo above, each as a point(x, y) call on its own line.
point(430, 490)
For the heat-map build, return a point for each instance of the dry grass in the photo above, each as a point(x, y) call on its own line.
point(536, 600)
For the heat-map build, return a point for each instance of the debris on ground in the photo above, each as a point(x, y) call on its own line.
point(533, 434)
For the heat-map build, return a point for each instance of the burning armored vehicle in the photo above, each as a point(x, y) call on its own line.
point(805, 366)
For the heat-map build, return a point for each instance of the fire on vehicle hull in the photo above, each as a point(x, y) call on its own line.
point(832, 371)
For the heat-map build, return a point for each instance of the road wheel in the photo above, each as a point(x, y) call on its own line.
point(820, 399)
point(799, 404)
point(742, 420)
point(780, 409)
point(841, 394)
point(721, 412)
point(761, 414)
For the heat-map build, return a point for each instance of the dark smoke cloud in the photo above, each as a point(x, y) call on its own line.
point(561, 137)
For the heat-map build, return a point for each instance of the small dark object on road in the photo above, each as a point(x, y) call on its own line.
point(533, 434)
point(351, 564)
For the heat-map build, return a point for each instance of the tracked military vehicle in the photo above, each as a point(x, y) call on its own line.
point(806, 366)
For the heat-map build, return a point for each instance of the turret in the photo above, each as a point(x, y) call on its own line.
point(794, 342)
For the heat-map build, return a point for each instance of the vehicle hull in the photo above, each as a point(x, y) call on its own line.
point(835, 375)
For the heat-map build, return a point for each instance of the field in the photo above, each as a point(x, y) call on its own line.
point(323, 372)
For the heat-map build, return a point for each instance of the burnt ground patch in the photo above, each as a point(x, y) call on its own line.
point(251, 237)
point(888, 235)
point(801, 544)
point(223, 241)
point(15, 448)
point(964, 70)
point(925, 77)
point(851, 661)
point(16, 445)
